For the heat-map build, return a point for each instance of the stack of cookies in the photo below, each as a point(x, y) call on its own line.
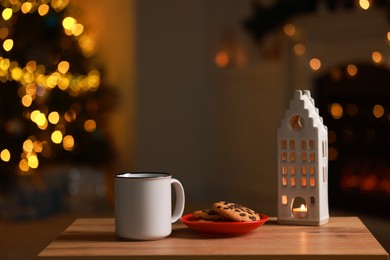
point(223, 211)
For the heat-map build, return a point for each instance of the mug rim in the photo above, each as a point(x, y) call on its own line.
point(131, 175)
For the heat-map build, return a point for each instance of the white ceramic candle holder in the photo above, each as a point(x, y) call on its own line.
point(302, 164)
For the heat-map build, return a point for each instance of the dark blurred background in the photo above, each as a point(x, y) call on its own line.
point(195, 88)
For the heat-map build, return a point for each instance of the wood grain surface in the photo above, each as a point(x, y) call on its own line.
point(341, 238)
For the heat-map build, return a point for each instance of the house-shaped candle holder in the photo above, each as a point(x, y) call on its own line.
point(302, 164)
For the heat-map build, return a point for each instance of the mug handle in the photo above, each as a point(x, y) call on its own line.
point(180, 200)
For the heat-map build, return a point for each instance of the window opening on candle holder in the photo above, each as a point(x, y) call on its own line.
point(304, 156)
point(296, 122)
point(303, 144)
point(292, 157)
point(284, 156)
point(284, 181)
point(324, 149)
point(284, 144)
point(303, 182)
point(292, 144)
point(311, 144)
point(284, 200)
point(292, 169)
point(312, 157)
point(325, 174)
point(312, 182)
point(292, 182)
point(312, 200)
point(284, 170)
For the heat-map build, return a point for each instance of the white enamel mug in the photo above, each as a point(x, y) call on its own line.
point(143, 209)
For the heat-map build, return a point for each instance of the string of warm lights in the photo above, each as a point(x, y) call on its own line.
point(299, 49)
point(336, 110)
point(35, 83)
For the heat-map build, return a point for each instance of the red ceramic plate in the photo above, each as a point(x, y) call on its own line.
point(223, 228)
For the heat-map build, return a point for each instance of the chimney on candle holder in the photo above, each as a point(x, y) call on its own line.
point(302, 164)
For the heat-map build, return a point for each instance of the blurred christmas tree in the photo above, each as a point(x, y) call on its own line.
point(52, 102)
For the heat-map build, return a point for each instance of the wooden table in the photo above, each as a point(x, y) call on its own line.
point(341, 238)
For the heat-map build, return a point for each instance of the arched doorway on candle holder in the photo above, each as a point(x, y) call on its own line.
point(298, 207)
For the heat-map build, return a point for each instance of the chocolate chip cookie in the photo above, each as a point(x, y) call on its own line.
point(235, 211)
point(208, 215)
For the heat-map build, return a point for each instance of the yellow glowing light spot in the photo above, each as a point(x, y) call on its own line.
point(77, 29)
point(378, 111)
point(299, 49)
point(40, 119)
point(68, 143)
point(31, 89)
point(90, 125)
point(31, 66)
point(93, 80)
point(63, 83)
point(289, 29)
point(377, 57)
point(23, 165)
point(352, 70)
point(4, 64)
point(26, 7)
point(37, 146)
point(315, 64)
point(43, 9)
point(5, 155)
point(54, 117)
point(34, 114)
point(27, 100)
point(68, 22)
point(222, 59)
point(388, 36)
point(28, 145)
point(7, 13)
point(336, 110)
point(59, 5)
point(63, 67)
point(364, 4)
point(44, 125)
point(32, 161)
point(86, 44)
point(8, 44)
point(56, 137)
point(16, 73)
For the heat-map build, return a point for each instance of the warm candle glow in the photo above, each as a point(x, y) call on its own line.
point(300, 212)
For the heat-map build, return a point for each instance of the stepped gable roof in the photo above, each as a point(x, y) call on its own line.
point(304, 104)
